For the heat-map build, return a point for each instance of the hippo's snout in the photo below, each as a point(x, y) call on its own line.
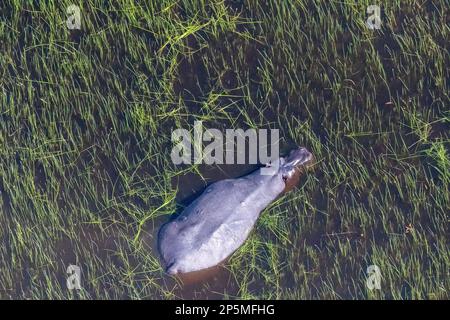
point(297, 159)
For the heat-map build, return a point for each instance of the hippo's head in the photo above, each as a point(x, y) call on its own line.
point(293, 166)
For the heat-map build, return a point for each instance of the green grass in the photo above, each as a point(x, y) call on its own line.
point(86, 119)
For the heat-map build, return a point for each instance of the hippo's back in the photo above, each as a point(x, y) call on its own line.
point(214, 225)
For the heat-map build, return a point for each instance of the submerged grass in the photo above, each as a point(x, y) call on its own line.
point(86, 118)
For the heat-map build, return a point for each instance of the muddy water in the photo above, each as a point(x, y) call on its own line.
point(211, 283)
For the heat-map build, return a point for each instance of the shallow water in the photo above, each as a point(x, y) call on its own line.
point(331, 117)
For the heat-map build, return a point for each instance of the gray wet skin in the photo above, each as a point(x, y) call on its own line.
point(219, 221)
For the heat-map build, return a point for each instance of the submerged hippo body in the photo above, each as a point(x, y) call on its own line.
point(221, 218)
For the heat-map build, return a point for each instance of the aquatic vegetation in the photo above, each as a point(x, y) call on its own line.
point(86, 118)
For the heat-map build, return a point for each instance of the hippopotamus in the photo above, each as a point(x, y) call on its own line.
point(218, 222)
